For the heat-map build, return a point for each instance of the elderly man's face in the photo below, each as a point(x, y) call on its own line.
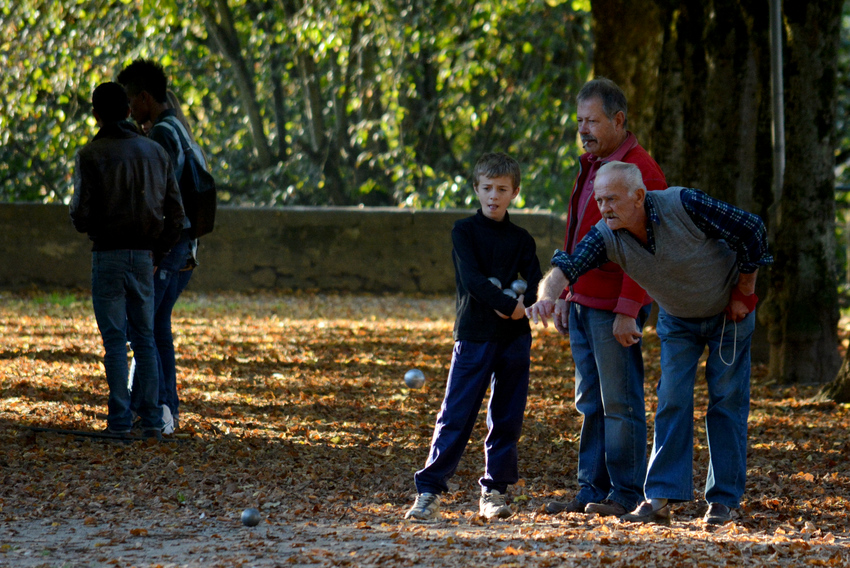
point(619, 208)
point(600, 135)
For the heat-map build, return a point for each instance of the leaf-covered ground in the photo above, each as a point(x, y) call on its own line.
point(295, 404)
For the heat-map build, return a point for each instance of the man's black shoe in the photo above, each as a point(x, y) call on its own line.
point(717, 514)
point(645, 514)
point(574, 506)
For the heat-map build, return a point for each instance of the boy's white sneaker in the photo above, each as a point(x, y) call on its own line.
point(426, 508)
point(167, 421)
point(492, 505)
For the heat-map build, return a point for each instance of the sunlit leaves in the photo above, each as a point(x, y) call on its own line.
point(295, 405)
point(505, 73)
point(61, 51)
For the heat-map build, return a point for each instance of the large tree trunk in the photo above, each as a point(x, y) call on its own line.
point(635, 68)
point(680, 100)
point(802, 306)
point(839, 389)
point(712, 130)
point(712, 121)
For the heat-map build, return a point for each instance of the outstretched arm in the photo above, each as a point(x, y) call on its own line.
point(548, 292)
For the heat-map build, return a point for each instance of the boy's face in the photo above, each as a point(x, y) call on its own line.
point(140, 106)
point(494, 195)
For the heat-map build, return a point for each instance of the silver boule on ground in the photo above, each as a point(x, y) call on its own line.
point(250, 517)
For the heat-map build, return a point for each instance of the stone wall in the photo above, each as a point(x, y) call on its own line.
point(348, 249)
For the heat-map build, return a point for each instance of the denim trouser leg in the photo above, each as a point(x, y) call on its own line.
point(169, 283)
point(683, 341)
point(164, 340)
point(728, 412)
point(122, 290)
point(609, 395)
point(475, 366)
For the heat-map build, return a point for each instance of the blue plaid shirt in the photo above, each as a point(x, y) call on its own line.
point(743, 232)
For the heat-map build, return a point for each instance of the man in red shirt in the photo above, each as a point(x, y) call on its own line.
point(603, 313)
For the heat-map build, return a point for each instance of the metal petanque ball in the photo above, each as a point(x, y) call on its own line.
point(519, 286)
point(414, 378)
point(250, 517)
point(496, 282)
point(509, 292)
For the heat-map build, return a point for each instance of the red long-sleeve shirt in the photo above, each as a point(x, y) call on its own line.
point(607, 287)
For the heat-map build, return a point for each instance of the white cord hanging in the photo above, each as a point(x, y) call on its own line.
point(734, 343)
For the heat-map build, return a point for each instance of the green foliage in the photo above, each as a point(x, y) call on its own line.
point(376, 102)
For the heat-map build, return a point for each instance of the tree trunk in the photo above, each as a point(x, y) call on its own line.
point(680, 99)
point(712, 130)
point(279, 104)
point(224, 35)
point(634, 69)
point(839, 389)
point(802, 306)
point(737, 127)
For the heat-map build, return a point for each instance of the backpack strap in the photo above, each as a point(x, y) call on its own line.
point(182, 144)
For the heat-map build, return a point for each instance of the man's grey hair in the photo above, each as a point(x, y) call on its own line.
point(629, 174)
point(612, 96)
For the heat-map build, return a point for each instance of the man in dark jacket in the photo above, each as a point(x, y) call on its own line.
point(126, 198)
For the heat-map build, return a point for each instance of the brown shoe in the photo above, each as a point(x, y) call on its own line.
point(574, 506)
point(606, 508)
point(645, 514)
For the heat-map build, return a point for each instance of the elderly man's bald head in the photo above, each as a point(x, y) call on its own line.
point(628, 174)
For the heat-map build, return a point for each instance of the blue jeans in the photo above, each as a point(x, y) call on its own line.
point(502, 366)
point(727, 373)
point(609, 396)
point(169, 283)
point(122, 290)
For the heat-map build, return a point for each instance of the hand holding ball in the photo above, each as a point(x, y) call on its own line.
point(414, 378)
point(519, 287)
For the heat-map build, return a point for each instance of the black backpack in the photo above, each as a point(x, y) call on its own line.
point(197, 186)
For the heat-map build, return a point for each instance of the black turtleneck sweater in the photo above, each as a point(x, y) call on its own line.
point(482, 248)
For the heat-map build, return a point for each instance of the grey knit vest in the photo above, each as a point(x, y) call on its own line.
point(690, 275)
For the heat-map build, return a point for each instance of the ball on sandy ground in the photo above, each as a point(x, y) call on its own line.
point(414, 378)
point(519, 286)
point(250, 517)
point(496, 282)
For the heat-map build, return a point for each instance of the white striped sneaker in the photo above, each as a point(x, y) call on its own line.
point(492, 505)
point(167, 421)
point(425, 509)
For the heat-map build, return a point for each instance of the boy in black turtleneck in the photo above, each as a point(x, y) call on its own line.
point(492, 344)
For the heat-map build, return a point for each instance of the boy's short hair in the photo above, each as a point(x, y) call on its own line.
point(145, 75)
point(110, 102)
point(612, 96)
point(496, 164)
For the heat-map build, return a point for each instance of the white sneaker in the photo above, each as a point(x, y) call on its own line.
point(492, 505)
point(167, 421)
point(425, 509)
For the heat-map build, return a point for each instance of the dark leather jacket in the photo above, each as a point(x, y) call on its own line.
point(125, 193)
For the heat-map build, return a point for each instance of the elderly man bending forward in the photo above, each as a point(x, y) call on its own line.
point(698, 257)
